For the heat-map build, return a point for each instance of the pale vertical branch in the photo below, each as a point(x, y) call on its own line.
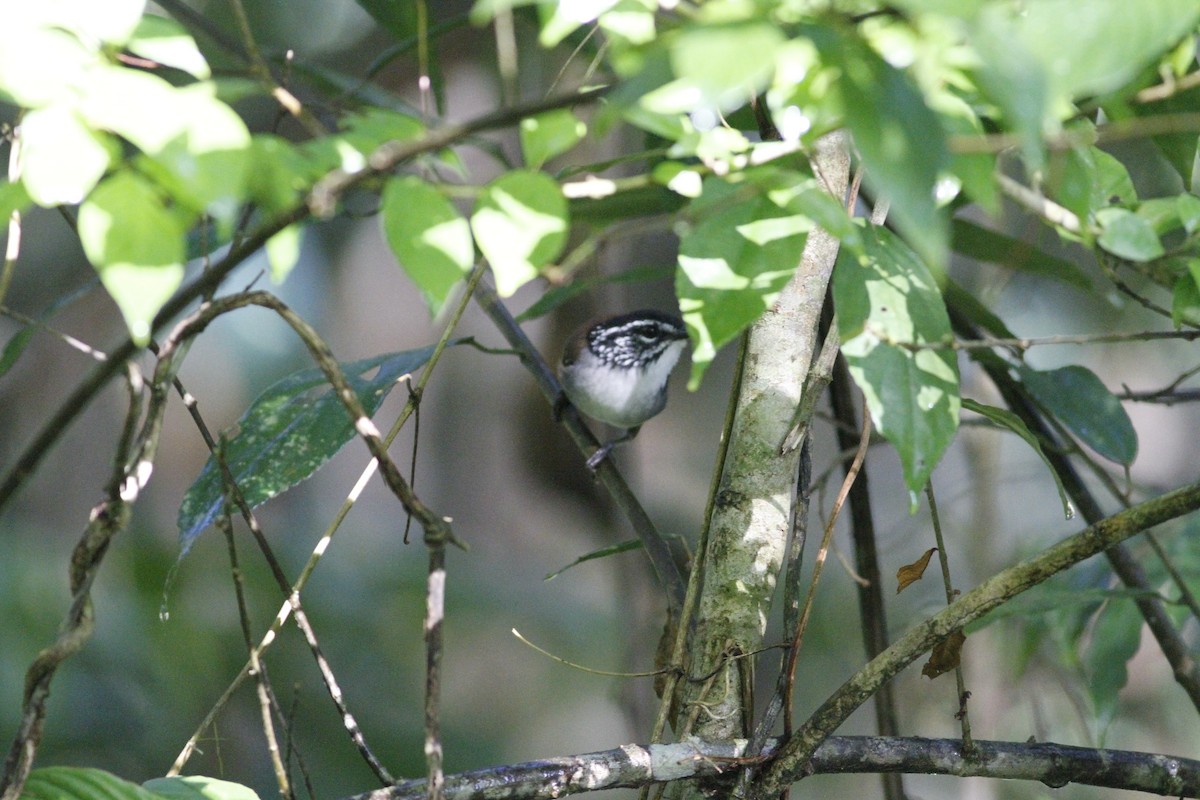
point(749, 527)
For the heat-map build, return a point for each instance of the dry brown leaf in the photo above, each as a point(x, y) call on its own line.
point(911, 573)
point(945, 656)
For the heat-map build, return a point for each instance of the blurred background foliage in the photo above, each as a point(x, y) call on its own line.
point(167, 640)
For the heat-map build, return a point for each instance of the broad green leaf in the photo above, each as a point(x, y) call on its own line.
point(1080, 401)
point(199, 787)
point(1012, 78)
point(430, 238)
point(520, 226)
point(718, 66)
point(287, 434)
point(196, 144)
point(276, 173)
point(62, 159)
point(1114, 642)
point(25, 39)
point(985, 244)
point(166, 42)
point(563, 19)
point(901, 142)
point(81, 783)
point(735, 257)
point(1007, 419)
point(547, 135)
point(1128, 236)
point(888, 306)
point(1098, 52)
point(1111, 182)
point(283, 251)
point(110, 21)
point(136, 244)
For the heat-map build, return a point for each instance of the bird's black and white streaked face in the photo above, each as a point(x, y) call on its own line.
point(616, 370)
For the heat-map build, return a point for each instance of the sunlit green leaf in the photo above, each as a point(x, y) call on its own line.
point(735, 257)
point(547, 135)
point(136, 244)
point(24, 40)
point(164, 41)
point(888, 306)
point(283, 251)
point(290, 430)
point(520, 226)
point(1126, 235)
point(63, 158)
point(719, 66)
point(430, 238)
point(901, 141)
point(1081, 401)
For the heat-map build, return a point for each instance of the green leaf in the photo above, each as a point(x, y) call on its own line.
point(1128, 236)
point(1115, 639)
point(199, 787)
point(1012, 78)
point(1006, 419)
point(28, 36)
point(1098, 52)
point(888, 306)
point(901, 142)
point(276, 173)
point(520, 226)
point(287, 434)
point(63, 159)
point(81, 783)
point(283, 251)
point(547, 135)
point(717, 66)
point(430, 238)
point(1081, 402)
point(137, 245)
point(166, 42)
point(985, 244)
point(197, 146)
point(1110, 181)
point(733, 262)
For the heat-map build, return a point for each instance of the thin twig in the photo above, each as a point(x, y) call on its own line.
point(326, 539)
point(995, 591)
point(794, 653)
point(944, 560)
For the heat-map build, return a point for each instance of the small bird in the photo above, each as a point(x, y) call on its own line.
point(616, 370)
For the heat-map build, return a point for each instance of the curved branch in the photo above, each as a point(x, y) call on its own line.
point(635, 765)
point(790, 765)
point(385, 158)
